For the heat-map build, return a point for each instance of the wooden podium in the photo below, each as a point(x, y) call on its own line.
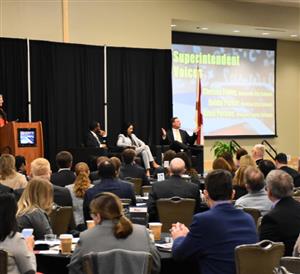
point(24, 139)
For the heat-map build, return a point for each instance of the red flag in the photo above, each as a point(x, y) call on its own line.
point(199, 116)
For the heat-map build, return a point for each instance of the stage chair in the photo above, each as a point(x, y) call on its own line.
point(118, 261)
point(137, 182)
point(292, 264)
point(175, 209)
point(260, 258)
point(255, 213)
point(61, 219)
point(3, 261)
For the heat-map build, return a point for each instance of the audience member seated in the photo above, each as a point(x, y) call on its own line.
point(257, 196)
point(8, 174)
point(6, 189)
point(258, 153)
point(40, 167)
point(188, 168)
point(281, 162)
point(127, 139)
point(238, 154)
point(238, 179)
point(81, 184)
point(282, 223)
point(228, 157)
point(215, 233)
point(34, 206)
point(94, 175)
point(168, 156)
point(64, 176)
point(117, 164)
point(221, 163)
point(95, 137)
point(21, 165)
point(266, 166)
point(112, 231)
point(173, 186)
point(21, 258)
point(108, 183)
point(130, 169)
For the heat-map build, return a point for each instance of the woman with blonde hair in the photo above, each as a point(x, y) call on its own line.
point(8, 174)
point(34, 206)
point(112, 231)
point(238, 179)
point(81, 184)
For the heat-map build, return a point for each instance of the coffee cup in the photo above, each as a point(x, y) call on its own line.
point(156, 230)
point(66, 243)
point(90, 224)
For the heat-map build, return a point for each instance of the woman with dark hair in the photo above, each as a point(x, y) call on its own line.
point(127, 139)
point(228, 157)
point(21, 258)
point(112, 231)
point(3, 117)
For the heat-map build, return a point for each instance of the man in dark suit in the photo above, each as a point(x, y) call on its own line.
point(282, 223)
point(94, 175)
point(64, 176)
point(108, 183)
point(177, 138)
point(281, 162)
point(215, 233)
point(130, 169)
point(95, 137)
point(173, 186)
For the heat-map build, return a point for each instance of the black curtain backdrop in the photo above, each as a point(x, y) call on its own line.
point(67, 85)
point(13, 78)
point(139, 90)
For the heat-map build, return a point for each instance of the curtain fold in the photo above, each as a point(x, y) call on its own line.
point(139, 89)
point(67, 85)
point(13, 78)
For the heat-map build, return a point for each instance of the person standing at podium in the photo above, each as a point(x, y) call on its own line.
point(3, 116)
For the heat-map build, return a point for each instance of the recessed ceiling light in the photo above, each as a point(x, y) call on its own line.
point(173, 26)
point(265, 33)
point(204, 28)
point(236, 30)
point(294, 35)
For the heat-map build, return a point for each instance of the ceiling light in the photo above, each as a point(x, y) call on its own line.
point(173, 26)
point(294, 35)
point(265, 33)
point(236, 30)
point(204, 28)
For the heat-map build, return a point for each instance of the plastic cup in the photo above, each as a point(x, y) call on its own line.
point(90, 224)
point(156, 230)
point(50, 237)
point(66, 243)
point(27, 232)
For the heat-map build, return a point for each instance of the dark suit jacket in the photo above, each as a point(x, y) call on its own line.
point(94, 175)
point(61, 195)
point(293, 173)
point(120, 188)
point(63, 178)
point(90, 140)
point(213, 236)
point(177, 146)
point(282, 224)
point(134, 171)
point(174, 186)
point(6, 189)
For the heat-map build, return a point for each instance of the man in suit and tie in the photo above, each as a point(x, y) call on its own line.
point(64, 176)
point(173, 186)
point(215, 233)
point(282, 223)
point(177, 138)
point(95, 137)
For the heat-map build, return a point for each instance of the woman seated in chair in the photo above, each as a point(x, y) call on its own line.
point(127, 139)
point(21, 258)
point(34, 206)
point(112, 231)
point(81, 184)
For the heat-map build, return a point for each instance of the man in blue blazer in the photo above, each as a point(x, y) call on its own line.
point(107, 183)
point(215, 233)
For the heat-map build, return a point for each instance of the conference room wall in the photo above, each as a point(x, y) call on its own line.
point(147, 25)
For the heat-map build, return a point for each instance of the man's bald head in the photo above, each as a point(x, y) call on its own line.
point(177, 166)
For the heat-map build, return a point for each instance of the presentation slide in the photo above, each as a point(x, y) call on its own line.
point(238, 90)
